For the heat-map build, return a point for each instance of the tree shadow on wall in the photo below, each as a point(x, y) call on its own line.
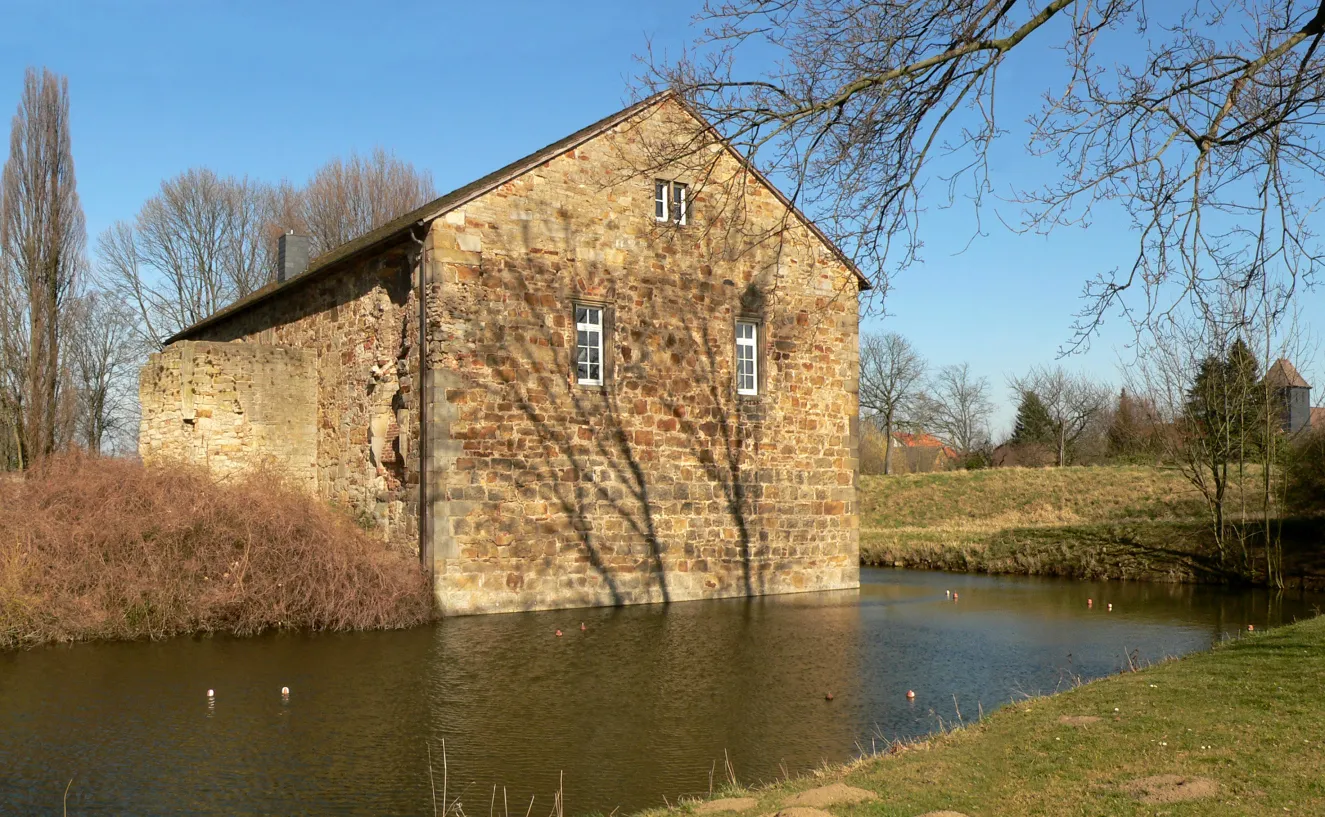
point(724, 431)
point(642, 470)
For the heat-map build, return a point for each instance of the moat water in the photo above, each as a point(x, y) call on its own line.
point(641, 706)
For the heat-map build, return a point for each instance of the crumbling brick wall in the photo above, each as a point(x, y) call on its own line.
point(231, 407)
point(361, 324)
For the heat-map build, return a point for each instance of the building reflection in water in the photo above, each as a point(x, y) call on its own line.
point(645, 703)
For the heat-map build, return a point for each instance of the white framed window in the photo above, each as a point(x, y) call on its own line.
point(747, 357)
point(588, 345)
point(671, 201)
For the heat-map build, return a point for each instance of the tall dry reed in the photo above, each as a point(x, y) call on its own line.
point(107, 548)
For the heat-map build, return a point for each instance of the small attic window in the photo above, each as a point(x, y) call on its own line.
point(671, 201)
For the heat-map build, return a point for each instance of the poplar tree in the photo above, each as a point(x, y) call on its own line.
point(42, 241)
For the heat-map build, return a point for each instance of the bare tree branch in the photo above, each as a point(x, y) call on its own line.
point(958, 408)
point(1198, 120)
point(891, 375)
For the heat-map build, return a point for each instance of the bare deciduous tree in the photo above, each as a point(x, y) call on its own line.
point(891, 376)
point(1198, 118)
point(958, 408)
point(194, 247)
point(102, 362)
point(13, 365)
point(349, 197)
point(205, 240)
point(1222, 418)
point(42, 241)
point(1073, 402)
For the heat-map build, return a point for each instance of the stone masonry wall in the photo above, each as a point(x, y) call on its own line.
point(361, 323)
point(230, 407)
point(663, 484)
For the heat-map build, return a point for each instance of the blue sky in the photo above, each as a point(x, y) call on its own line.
point(273, 90)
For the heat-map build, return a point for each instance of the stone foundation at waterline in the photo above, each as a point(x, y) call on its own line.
point(449, 407)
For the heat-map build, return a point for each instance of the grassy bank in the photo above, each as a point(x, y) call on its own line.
point(1240, 730)
point(1122, 522)
point(104, 548)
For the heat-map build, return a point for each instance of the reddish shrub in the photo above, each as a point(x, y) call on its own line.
point(106, 548)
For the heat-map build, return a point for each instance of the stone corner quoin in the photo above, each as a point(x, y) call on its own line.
point(429, 380)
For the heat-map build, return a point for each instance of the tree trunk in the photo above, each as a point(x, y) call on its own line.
point(1274, 554)
point(18, 438)
point(1221, 484)
point(888, 444)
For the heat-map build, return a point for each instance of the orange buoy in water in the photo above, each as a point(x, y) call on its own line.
point(558, 633)
point(954, 596)
point(1251, 627)
point(910, 695)
point(828, 696)
point(582, 627)
point(1090, 602)
point(285, 692)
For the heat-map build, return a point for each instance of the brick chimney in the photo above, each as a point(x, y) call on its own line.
point(292, 256)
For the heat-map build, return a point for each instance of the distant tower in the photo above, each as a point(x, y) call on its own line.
point(1293, 393)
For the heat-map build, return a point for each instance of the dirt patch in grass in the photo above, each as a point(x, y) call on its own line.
point(726, 804)
point(1079, 720)
point(1171, 788)
point(831, 795)
point(802, 811)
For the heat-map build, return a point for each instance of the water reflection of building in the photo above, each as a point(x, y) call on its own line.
point(648, 701)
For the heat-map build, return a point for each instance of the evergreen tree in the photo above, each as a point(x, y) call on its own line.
point(1133, 429)
point(1243, 373)
point(1225, 404)
point(1034, 424)
point(1224, 409)
point(1124, 428)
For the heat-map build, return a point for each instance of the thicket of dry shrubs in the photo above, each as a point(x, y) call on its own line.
point(106, 548)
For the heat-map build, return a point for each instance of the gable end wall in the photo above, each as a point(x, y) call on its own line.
point(663, 485)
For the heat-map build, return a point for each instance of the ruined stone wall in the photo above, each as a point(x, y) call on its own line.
point(231, 407)
point(663, 484)
point(361, 324)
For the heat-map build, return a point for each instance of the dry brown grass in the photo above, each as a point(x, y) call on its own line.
point(1032, 497)
point(1114, 522)
point(106, 548)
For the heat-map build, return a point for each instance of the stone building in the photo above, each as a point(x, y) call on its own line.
point(612, 372)
point(1292, 393)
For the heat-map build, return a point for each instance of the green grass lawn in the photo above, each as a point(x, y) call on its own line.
point(1248, 718)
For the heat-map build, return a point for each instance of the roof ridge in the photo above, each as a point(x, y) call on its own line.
point(484, 184)
point(1283, 373)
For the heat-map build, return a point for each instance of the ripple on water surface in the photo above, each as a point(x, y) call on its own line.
point(638, 706)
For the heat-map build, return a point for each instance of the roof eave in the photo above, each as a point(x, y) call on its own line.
point(426, 214)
